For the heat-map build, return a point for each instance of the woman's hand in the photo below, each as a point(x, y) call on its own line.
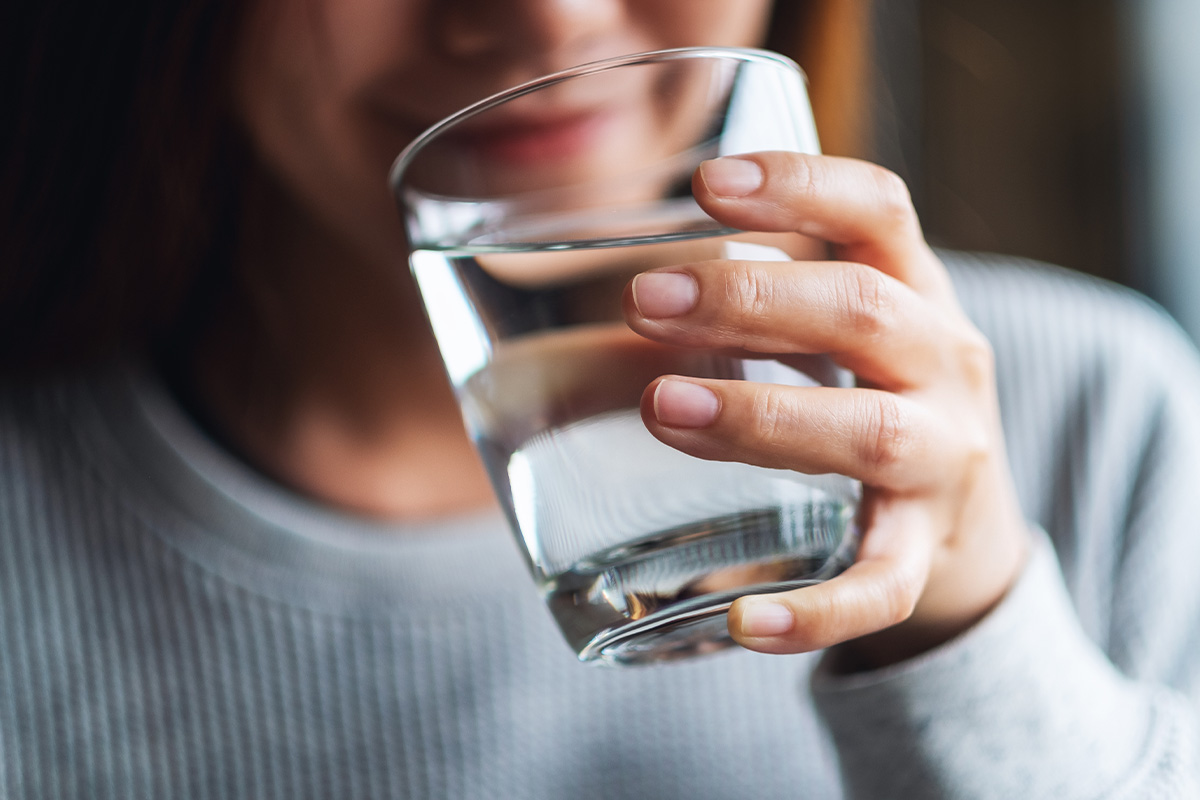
point(943, 537)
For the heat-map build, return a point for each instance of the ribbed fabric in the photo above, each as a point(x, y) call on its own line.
point(172, 625)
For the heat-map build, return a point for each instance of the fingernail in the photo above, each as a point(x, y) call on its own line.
point(731, 177)
point(766, 618)
point(679, 404)
point(658, 295)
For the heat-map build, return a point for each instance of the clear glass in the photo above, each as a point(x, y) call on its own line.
point(527, 214)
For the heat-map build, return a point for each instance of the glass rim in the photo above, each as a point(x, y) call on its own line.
point(742, 54)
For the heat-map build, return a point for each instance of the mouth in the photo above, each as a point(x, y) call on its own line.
point(533, 140)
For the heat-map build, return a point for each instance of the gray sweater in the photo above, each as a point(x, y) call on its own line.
point(172, 625)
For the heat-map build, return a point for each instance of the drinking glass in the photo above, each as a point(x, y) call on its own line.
point(527, 213)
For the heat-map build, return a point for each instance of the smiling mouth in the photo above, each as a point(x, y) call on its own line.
point(525, 142)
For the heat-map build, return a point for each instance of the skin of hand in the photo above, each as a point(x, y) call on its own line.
point(943, 537)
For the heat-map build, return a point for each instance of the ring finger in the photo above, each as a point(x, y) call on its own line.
point(883, 439)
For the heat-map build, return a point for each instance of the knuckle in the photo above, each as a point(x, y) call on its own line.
point(806, 180)
point(747, 290)
point(977, 447)
point(867, 300)
point(895, 200)
point(888, 438)
point(977, 452)
point(976, 360)
point(773, 417)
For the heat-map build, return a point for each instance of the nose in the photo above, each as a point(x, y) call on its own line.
point(475, 29)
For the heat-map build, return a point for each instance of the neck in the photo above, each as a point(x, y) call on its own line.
point(322, 373)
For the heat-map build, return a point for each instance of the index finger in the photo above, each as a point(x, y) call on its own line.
point(864, 210)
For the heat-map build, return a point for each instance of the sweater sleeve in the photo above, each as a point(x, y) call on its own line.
point(1023, 705)
point(1084, 682)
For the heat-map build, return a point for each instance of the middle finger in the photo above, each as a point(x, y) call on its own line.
point(868, 322)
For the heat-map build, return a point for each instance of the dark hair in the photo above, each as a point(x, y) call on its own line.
point(122, 182)
point(120, 178)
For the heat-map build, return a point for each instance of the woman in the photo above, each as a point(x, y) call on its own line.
point(248, 550)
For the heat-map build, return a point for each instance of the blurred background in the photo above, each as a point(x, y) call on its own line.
point(1061, 130)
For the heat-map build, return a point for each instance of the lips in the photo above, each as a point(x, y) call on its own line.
point(533, 140)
